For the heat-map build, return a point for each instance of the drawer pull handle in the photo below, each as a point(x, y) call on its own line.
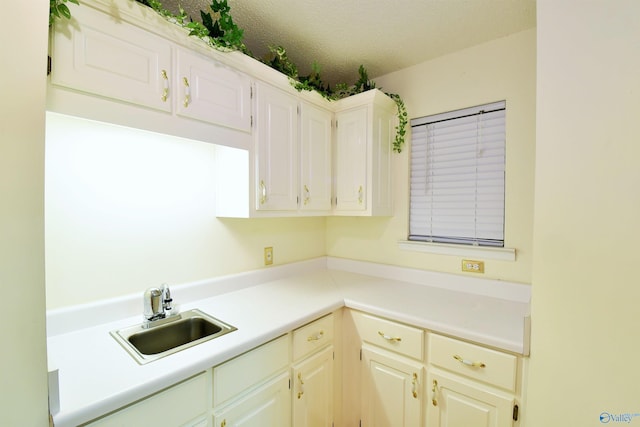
point(316, 337)
point(434, 390)
point(307, 195)
point(187, 92)
point(301, 392)
point(165, 84)
point(388, 338)
point(469, 362)
point(414, 384)
point(263, 192)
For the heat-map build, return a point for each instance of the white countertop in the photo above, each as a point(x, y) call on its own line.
point(97, 376)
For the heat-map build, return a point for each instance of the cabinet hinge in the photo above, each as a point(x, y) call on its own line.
point(360, 423)
point(48, 65)
point(336, 124)
point(360, 354)
point(289, 383)
point(252, 121)
point(515, 412)
point(251, 92)
point(298, 109)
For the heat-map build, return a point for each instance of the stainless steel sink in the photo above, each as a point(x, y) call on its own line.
point(147, 342)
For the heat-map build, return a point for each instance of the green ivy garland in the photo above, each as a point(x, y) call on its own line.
point(222, 33)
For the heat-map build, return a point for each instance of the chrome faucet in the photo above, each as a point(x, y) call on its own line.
point(158, 304)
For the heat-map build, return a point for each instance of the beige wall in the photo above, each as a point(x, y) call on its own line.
point(503, 69)
point(23, 358)
point(585, 294)
point(128, 209)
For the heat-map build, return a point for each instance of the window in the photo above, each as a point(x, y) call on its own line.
point(457, 177)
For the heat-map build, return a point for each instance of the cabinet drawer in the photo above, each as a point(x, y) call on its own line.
point(186, 401)
point(313, 336)
point(249, 369)
point(491, 366)
point(390, 335)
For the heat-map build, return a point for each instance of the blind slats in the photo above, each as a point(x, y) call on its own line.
point(457, 177)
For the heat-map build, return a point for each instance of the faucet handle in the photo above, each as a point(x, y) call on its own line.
point(167, 301)
point(152, 303)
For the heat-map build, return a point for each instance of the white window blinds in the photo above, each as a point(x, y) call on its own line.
point(457, 177)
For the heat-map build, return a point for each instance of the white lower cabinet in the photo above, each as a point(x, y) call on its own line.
point(253, 389)
point(389, 374)
point(182, 405)
point(391, 389)
point(458, 402)
point(394, 377)
point(313, 391)
point(267, 405)
point(313, 385)
point(471, 385)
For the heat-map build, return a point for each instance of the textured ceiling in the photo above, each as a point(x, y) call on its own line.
point(383, 35)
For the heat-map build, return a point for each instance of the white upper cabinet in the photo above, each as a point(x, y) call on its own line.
point(276, 148)
point(99, 55)
point(288, 171)
point(315, 158)
point(365, 129)
point(210, 91)
point(119, 62)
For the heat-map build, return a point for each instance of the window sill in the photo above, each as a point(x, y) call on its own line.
point(502, 254)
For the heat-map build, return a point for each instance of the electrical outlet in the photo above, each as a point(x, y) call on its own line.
point(472, 266)
point(268, 256)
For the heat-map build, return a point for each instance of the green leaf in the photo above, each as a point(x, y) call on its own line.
point(64, 10)
point(207, 21)
point(74, 2)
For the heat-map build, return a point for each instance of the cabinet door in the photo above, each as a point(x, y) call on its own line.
point(212, 92)
point(351, 160)
point(313, 391)
point(391, 390)
point(315, 158)
point(269, 405)
point(457, 402)
point(276, 140)
point(96, 54)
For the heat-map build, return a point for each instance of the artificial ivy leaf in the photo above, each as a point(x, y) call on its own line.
point(64, 10)
point(74, 2)
point(207, 21)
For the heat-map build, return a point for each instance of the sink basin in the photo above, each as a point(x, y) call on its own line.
point(167, 336)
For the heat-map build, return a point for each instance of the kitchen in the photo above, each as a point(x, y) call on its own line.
point(538, 239)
